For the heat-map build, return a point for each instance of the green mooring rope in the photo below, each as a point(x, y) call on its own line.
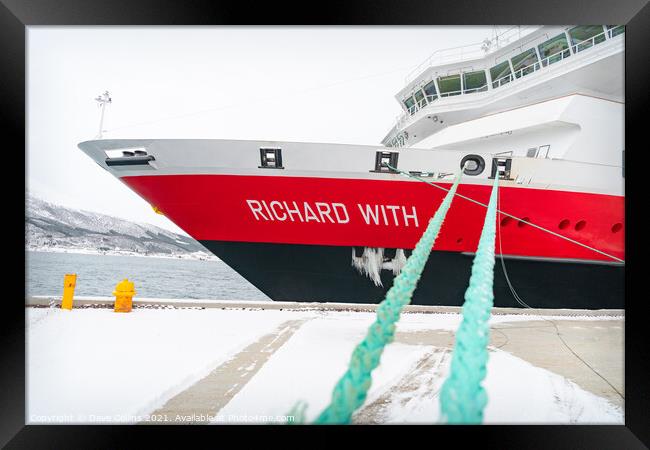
point(351, 390)
point(462, 398)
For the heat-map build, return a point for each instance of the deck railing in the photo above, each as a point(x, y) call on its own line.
point(469, 52)
point(592, 41)
point(431, 98)
point(519, 73)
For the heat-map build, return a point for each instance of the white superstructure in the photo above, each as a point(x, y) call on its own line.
point(557, 93)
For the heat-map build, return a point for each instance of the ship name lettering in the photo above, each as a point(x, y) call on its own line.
point(334, 213)
point(321, 212)
point(373, 215)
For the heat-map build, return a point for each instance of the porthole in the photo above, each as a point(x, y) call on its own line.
point(505, 221)
point(564, 224)
point(617, 227)
point(522, 222)
point(580, 225)
point(475, 164)
point(459, 240)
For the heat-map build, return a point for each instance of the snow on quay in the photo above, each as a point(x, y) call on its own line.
point(97, 366)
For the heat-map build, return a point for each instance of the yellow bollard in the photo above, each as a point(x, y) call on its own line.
point(124, 292)
point(69, 282)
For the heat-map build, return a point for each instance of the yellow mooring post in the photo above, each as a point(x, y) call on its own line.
point(69, 282)
point(124, 292)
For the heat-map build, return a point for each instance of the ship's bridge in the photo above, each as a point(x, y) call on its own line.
point(469, 82)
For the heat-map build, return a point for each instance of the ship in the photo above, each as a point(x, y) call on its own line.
point(322, 222)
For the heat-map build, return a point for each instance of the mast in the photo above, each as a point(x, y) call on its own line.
point(102, 100)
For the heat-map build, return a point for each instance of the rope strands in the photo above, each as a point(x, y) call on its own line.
point(350, 391)
point(462, 398)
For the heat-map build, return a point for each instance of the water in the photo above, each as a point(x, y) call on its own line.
point(153, 277)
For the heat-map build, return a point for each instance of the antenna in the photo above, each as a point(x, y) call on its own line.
point(487, 43)
point(102, 100)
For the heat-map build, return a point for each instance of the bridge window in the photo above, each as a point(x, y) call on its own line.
point(615, 30)
point(525, 63)
point(554, 50)
point(500, 74)
point(583, 37)
point(474, 82)
point(430, 90)
point(409, 103)
point(449, 85)
point(419, 98)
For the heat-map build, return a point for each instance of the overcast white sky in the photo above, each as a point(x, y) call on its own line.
point(314, 84)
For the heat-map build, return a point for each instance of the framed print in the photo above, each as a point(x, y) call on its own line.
point(373, 215)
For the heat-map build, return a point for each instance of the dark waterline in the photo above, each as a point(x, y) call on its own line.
point(153, 277)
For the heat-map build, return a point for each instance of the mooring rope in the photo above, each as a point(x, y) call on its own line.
point(415, 177)
point(462, 398)
point(352, 388)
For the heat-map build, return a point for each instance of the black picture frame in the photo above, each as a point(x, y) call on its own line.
point(16, 15)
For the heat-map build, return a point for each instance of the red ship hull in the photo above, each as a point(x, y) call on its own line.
point(291, 236)
point(348, 212)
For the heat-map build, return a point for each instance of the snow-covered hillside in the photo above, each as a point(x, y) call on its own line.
point(50, 227)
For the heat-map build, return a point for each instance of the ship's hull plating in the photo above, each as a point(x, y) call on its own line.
point(383, 213)
point(295, 238)
point(323, 273)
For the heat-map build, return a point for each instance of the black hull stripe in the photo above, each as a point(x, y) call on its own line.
point(287, 272)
